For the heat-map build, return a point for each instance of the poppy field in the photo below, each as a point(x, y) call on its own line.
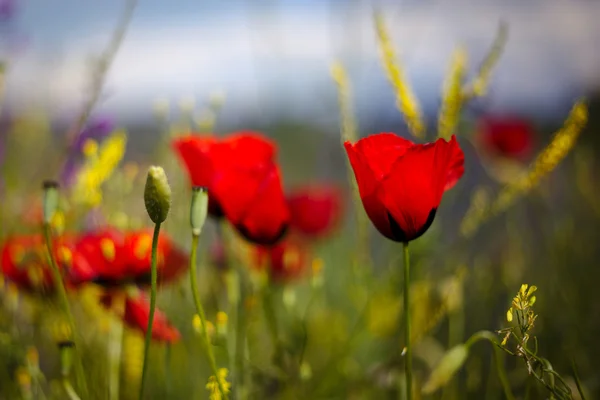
point(445, 258)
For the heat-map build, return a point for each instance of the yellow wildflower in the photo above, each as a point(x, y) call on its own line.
point(213, 385)
point(98, 168)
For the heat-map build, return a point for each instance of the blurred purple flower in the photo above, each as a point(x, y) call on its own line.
point(96, 130)
point(7, 9)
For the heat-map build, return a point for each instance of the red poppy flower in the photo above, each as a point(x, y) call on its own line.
point(401, 183)
point(195, 152)
point(25, 260)
point(115, 258)
point(315, 209)
point(137, 315)
point(509, 137)
point(285, 261)
point(243, 179)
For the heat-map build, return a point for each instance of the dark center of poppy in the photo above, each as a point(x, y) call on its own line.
point(258, 239)
point(401, 236)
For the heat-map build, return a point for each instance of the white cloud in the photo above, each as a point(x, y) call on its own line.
point(551, 46)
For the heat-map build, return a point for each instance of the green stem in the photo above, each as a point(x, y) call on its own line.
point(71, 393)
point(168, 376)
point(200, 310)
point(490, 337)
point(498, 360)
point(115, 344)
point(64, 300)
point(237, 297)
point(577, 380)
point(240, 334)
point(408, 355)
point(271, 319)
point(154, 277)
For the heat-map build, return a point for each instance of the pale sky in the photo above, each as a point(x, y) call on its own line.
point(272, 58)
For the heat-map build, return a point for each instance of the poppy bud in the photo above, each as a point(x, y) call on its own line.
point(50, 200)
point(198, 209)
point(66, 356)
point(157, 195)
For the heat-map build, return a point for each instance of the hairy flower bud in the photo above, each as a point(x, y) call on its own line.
point(157, 195)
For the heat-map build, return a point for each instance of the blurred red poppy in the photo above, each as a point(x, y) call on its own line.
point(25, 260)
point(243, 179)
point(509, 137)
point(315, 209)
point(285, 261)
point(137, 315)
point(115, 258)
point(401, 183)
point(195, 153)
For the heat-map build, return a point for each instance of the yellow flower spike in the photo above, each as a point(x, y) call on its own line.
point(523, 289)
point(532, 301)
point(452, 97)
point(478, 87)
point(531, 290)
point(96, 170)
point(509, 315)
point(546, 162)
point(405, 99)
point(90, 148)
point(340, 77)
point(213, 385)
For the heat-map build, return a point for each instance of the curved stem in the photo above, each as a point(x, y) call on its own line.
point(490, 337)
point(202, 315)
point(154, 278)
point(64, 300)
point(408, 354)
point(71, 393)
point(502, 373)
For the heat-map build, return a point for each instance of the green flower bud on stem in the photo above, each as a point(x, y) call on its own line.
point(157, 195)
point(198, 209)
point(50, 200)
point(66, 361)
point(66, 357)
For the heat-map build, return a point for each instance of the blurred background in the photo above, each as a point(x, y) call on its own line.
point(268, 64)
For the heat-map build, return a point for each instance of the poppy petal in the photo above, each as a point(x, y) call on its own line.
point(256, 206)
point(137, 315)
point(194, 152)
point(381, 151)
point(413, 190)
